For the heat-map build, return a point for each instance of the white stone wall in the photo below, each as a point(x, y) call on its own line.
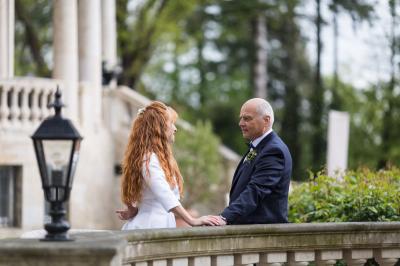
point(17, 149)
point(92, 199)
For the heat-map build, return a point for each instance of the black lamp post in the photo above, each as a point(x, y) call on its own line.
point(57, 144)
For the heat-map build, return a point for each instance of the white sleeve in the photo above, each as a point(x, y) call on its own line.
point(159, 185)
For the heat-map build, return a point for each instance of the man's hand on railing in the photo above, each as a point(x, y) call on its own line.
point(220, 220)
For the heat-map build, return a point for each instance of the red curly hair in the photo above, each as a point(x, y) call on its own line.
point(149, 135)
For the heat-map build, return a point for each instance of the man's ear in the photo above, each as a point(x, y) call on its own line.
point(267, 119)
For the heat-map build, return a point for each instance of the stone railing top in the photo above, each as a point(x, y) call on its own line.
point(260, 229)
point(146, 245)
point(89, 248)
point(32, 79)
point(127, 247)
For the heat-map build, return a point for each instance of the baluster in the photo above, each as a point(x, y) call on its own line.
point(200, 261)
point(25, 111)
point(178, 262)
point(142, 263)
point(15, 111)
point(222, 260)
point(35, 110)
point(43, 105)
point(4, 110)
point(159, 263)
point(387, 256)
point(51, 94)
point(300, 258)
point(246, 259)
point(328, 257)
point(273, 259)
point(49, 100)
point(357, 257)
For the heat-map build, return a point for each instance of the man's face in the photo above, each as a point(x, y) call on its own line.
point(252, 124)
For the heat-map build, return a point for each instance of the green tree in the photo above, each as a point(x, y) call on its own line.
point(389, 125)
point(201, 166)
point(359, 10)
point(141, 30)
point(33, 37)
point(294, 71)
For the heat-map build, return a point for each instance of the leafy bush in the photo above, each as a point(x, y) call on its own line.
point(362, 195)
point(200, 163)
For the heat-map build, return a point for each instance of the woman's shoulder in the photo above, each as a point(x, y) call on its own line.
point(150, 156)
point(151, 159)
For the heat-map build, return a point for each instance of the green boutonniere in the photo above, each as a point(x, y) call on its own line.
point(251, 155)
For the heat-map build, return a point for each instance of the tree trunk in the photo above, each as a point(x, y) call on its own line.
point(387, 129)
point(292, 101)
point(31, 36)
point(135, 60)
point(260, 38)
point(202, 75)
point(336, 102)
point(318, 143)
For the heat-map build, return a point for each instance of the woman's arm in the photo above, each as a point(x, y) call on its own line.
point(203, 220)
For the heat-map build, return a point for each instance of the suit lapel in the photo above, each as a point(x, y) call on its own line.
point(239, 169)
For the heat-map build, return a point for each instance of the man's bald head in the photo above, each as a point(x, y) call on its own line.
point(256, 118)
point(262, 107)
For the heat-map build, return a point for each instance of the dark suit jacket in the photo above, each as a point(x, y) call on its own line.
point(259, 191)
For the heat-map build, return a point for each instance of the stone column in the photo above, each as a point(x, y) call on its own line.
point(7, 12)
point(109, 32)
point(90, 59)
point(66, 53)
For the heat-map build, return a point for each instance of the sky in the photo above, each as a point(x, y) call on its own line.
point(363, 49)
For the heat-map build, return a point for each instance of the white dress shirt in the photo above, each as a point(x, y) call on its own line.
point(259, 139)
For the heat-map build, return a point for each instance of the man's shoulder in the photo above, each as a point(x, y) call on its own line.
point(275, 145)
point(273, 142)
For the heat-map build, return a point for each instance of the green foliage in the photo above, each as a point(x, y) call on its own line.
point(361, 195)
point(33, 37)
point(366, 109)
point(200, 163)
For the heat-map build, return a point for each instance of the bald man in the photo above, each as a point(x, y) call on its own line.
point(260, 185)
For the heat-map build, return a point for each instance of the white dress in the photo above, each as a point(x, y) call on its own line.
point(157, 199)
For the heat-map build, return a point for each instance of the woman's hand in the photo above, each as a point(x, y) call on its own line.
point(203, 220)
point(128, 213)
point(207, 220)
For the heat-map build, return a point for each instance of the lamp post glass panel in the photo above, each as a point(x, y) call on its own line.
point(57, 144)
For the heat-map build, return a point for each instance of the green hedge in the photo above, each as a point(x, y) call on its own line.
point(362, 195)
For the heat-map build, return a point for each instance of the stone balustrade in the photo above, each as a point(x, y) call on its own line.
point(264, 245)
point(23, 101)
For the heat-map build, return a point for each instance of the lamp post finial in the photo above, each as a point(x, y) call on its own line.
point(57, 104)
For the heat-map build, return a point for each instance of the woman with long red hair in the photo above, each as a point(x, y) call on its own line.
point(151, 181)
